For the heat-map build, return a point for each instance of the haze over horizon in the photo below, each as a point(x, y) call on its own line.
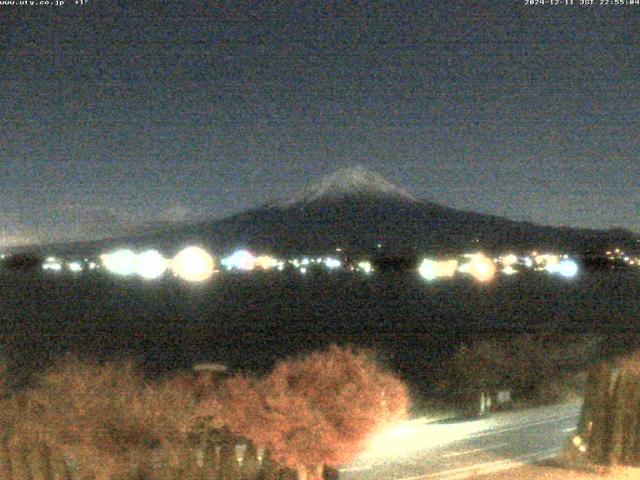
point(119, 114)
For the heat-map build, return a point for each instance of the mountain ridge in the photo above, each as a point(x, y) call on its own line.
point(358, 210)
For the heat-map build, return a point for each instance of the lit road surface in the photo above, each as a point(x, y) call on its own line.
point(418, 450)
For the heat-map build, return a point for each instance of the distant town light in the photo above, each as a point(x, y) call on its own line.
point(150, 264)
point(509, 260)
point(120, 262)
point(265, 262)
point(332, 263)
point(365, 267)
point(193, 264)
point(427, 269)
point(74, 267)
point(509, 270)
point(431, 269)
point(52, 264)
point(479, 267)
point(240, 260)
point(568, 268)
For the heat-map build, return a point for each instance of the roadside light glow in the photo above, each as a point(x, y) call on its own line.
point(150, 264)
point(120, 262)
point(479, 267)
point(52, 265)
point(265, 262)
point(509, 270)
point(407, 438)
point(427, 269)
point(431, 269)
point(568, 268)
point(240, 260)
point(75, 267)
point(365, 267)
point(509, 260)
point(332, 263)
point(193, 264)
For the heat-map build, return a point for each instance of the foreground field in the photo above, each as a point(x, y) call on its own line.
point(557, 472)
point(251, 321)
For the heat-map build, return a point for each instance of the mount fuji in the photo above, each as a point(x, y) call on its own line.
point(363, 213)
point(344, 184)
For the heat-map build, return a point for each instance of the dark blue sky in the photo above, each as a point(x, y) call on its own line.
point(121, 112)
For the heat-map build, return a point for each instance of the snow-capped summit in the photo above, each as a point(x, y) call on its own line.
point(347, 182)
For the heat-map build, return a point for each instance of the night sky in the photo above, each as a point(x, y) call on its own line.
point(117, 113)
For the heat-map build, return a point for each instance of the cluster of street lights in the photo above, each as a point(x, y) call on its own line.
point(194, 264)
point(483, 269)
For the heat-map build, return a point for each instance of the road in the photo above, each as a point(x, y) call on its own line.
point(418, 450)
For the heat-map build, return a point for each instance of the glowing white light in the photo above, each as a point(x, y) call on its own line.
point(303, 270)
point(52, 265)
point(75, 267)
point(240, 260)
point(552, 259)
point(509, 260)
point(509, 270)
point(427, 270)
point(266, 262)
point(567, 268)
point(365, 267)
point(528, 262)
point(92, 266)
point(480, 267)
point(120, 262)
point(332, 263)
point(193, 264)
point(430, 269)
point(150, 264)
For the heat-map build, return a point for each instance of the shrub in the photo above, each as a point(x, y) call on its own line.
point(106, 420)
point(316, 409)
point(538, 368)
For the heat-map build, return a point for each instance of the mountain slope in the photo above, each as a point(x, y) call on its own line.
point(363, 213)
